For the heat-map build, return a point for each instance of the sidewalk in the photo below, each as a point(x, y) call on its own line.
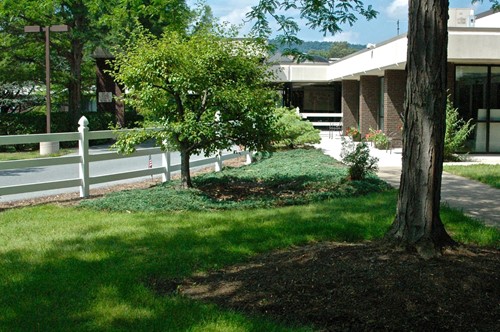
point(473, 198)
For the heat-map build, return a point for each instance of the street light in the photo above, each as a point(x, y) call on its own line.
point(47, 29)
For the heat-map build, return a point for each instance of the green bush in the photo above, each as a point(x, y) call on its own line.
point(34, 122)
point(293, 130)
point(357, 158)
point(457, 132)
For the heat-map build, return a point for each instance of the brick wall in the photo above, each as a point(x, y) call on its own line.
point(350, 104)
point(369, 101)
point(394, 94)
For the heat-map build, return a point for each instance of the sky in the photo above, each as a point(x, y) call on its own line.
point(363, 32)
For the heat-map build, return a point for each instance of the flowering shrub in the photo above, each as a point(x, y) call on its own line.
point(379, 139)
point(353, 133)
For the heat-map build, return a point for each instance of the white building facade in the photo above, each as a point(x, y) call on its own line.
point(366, 89)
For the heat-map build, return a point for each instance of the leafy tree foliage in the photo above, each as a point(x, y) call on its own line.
point(206, 92)
point(92, 23)
point(18, 98)
point(324, 15)
point(337, 50)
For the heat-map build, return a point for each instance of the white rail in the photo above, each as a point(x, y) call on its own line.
point(84, 158)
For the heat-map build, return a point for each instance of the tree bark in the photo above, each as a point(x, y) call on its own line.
point(418, 225)
point(75, 59)
point(185, 171)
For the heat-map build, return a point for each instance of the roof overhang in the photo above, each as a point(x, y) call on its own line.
point(465, 46)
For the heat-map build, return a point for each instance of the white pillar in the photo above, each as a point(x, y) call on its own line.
point(165, 162)
point(248, 158)
point(83, 145)
point(218, 162)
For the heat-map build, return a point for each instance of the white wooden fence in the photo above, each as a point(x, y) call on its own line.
point(84, 158)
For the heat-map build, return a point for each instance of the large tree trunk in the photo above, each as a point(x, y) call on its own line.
point(418, 224)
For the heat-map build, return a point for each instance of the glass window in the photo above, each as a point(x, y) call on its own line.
point(470, 90)
point(495, 89)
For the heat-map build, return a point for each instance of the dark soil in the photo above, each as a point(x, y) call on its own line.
point(357, 287)
point(344, 287)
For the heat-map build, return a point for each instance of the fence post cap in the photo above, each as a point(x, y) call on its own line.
point(83, 122)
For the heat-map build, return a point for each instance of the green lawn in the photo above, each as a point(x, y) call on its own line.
point(488, 174)
point(76, 269)
point(4, 156)
point(84, 269)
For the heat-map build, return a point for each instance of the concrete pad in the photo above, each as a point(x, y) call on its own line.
point(472, 197)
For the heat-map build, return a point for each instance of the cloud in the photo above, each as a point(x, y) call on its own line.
point(236, 16)
point(349, 36)
point(397, 9)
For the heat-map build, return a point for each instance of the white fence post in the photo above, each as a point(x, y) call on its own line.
point(165, 162)
point(218, 161)
point(248, 158)
point(83, 144)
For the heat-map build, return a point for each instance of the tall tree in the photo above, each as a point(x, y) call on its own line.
point(91, 22)
point(206, 92)
point(417, 225)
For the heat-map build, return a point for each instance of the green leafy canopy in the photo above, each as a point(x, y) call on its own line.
point(207, 90)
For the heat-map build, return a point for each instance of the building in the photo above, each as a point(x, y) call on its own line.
point(366, 89)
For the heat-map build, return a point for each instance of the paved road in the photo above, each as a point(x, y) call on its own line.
point(65, 172)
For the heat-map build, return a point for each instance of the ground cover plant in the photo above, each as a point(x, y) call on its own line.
point(282, 178)
point(66, 268)
point(487, 174)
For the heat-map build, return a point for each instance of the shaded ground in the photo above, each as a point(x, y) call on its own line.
point(358, 287)
point(344, 287)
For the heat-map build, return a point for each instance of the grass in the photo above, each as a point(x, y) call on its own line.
point(487, 174)
point(78, 269)
point(5, 156)
point(286, 178)
point(83, 269)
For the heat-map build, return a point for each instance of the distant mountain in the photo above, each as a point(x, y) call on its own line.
point(308, 46)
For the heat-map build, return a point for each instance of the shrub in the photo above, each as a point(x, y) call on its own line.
point(457, 131)
point(34, 122)
point(294, 131)
point(357, 158)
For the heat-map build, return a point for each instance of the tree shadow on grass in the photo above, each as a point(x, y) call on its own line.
point(95, 278)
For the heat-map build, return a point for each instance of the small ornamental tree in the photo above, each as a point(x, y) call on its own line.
point(206, 91)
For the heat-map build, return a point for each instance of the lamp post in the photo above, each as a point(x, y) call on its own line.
point(47, 29)
point(47, 147)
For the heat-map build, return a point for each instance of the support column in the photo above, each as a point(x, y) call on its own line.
point(369, 101)
point(394, 96)
point(450, 83)
point(350, 104)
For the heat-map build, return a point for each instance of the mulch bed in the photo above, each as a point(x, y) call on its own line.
point(344, 287)
point(357, 287)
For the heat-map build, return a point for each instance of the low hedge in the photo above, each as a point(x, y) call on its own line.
point(35, 123)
